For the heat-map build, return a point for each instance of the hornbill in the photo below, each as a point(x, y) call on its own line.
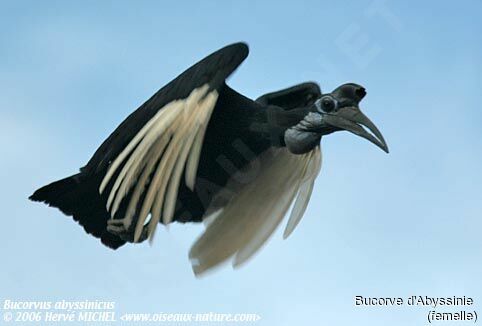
point(197, 150)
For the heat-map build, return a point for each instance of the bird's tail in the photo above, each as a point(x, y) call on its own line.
point(61, 194)
point(77, 196)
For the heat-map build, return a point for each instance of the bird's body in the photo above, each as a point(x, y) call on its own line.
point(198, 148)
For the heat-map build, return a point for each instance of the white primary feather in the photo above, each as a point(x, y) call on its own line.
point(155, 153)
point(305, 175)
point(304, 194)
point(254, 210)
point(137, 160)
point(168, 143)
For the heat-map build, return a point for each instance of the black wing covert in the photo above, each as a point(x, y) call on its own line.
point(212, 71)
point(297, 96)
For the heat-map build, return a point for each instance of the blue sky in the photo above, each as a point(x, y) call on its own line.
point(402, 224)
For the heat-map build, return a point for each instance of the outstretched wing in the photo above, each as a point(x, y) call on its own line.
point(242, 218)
point(144, 158)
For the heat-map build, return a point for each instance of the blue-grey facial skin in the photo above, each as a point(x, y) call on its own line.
point(307, 134)
point(303, 137)
point(333, 112)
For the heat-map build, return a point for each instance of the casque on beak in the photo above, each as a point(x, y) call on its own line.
point(340, 110)
point(353, 120)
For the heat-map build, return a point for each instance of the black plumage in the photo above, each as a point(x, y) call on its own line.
point(237, 131)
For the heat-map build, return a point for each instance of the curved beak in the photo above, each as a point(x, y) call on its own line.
point(354, 121)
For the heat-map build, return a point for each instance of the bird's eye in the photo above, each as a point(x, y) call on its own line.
point(327, 104)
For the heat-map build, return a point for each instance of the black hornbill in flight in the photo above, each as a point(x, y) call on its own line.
point(197, 150)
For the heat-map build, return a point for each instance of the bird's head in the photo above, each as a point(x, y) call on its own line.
point(332, 112)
